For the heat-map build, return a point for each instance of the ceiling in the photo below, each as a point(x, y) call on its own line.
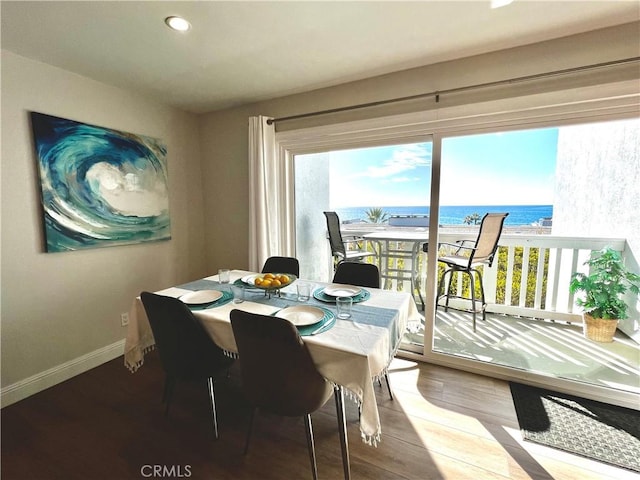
point(241, 52)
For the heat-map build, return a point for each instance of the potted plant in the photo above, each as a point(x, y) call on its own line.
point(605, 284)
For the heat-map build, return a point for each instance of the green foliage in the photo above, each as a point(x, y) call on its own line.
point(607, 281)
point(473, 219)
point(501, 281)
point(376, 215)
point(532, 274)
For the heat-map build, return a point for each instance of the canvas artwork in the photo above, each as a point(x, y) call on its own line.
point(100, 187)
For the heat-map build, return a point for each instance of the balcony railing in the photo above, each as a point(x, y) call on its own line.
point(536, 274)
point(529, 278)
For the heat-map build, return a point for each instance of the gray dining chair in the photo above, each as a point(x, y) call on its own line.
point(278, 375)
point(282, 265)
point(359, 274)
point(186, 350)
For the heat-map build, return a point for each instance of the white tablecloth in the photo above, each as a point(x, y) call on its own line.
point(351, 354)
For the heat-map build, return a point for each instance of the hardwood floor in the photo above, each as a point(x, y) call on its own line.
point(109, 424)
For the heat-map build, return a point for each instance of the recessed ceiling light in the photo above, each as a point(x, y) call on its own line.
point(177, 23)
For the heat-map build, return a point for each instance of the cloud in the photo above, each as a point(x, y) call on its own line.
point(402, 160)
point(403, 179)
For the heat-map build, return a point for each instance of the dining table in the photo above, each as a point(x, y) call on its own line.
point(352, 353)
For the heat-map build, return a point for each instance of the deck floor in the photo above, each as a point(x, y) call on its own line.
point(550, 348)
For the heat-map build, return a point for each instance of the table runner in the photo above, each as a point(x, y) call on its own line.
point(351, 354)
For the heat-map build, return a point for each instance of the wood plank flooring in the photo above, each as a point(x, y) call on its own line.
point(109, 424)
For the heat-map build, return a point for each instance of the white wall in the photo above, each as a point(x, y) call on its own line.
point(312, 198)
point(60, 307)
point(598, 190)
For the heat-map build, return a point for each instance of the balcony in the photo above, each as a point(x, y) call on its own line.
point(532, 321)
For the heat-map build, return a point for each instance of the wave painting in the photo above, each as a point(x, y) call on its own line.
point(100, 187)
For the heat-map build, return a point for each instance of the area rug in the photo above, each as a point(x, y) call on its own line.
point(596, 430)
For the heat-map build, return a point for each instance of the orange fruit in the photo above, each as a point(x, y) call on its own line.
point(270, 276)
point(276, 283)
point(266, 283)
point(284, 279)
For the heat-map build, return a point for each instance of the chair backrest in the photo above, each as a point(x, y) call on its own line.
point(359, 274)
point(488, 237)
point(186, 349)
point(335, 236)
point(282, 265)
point(277, 371)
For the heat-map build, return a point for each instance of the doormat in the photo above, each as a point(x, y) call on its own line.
point(602, 432)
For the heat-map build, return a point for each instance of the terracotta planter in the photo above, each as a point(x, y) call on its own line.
point(598, 329)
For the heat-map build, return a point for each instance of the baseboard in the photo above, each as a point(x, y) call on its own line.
point(43, 380)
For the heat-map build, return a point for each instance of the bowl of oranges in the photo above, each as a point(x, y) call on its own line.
point(271, 281)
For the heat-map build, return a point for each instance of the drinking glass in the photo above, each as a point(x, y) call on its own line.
point(238, 293)
point(304, 291)
point(224, 275)
point(343, 305)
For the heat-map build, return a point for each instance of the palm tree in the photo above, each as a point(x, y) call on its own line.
point(376, 215)
point(473, 219)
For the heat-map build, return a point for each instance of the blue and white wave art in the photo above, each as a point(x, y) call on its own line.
point(100, 187)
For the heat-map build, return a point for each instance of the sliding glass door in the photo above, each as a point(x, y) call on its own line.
point(568, 190)
point(569, 186)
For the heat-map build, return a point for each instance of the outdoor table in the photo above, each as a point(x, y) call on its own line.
point(389, 246)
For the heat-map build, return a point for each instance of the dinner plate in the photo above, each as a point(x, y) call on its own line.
point(302, 315)
point(201, 297)
point(339, 290)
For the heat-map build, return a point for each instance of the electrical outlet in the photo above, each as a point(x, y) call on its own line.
point(124, 319)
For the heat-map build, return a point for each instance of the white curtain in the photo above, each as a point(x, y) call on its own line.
point(271, 217)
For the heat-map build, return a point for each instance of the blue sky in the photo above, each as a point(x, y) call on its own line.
point(508, 168)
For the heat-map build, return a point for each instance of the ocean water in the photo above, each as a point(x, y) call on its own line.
point(455, 215)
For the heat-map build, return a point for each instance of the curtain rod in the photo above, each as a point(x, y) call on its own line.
point(437, 93)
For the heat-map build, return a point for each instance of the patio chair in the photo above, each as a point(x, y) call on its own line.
point(279, 376)
point(467, 256)
point(282, 265)
point(339, 244)
point(186, 350)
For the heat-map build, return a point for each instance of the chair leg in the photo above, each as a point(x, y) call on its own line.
point(484, 303)
point(386, 377)
point(312, 451)
point(212, 399)
point(338, 394)
point(440, 291)
point(448, 294)
point(249, 429)
point(473, 297)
